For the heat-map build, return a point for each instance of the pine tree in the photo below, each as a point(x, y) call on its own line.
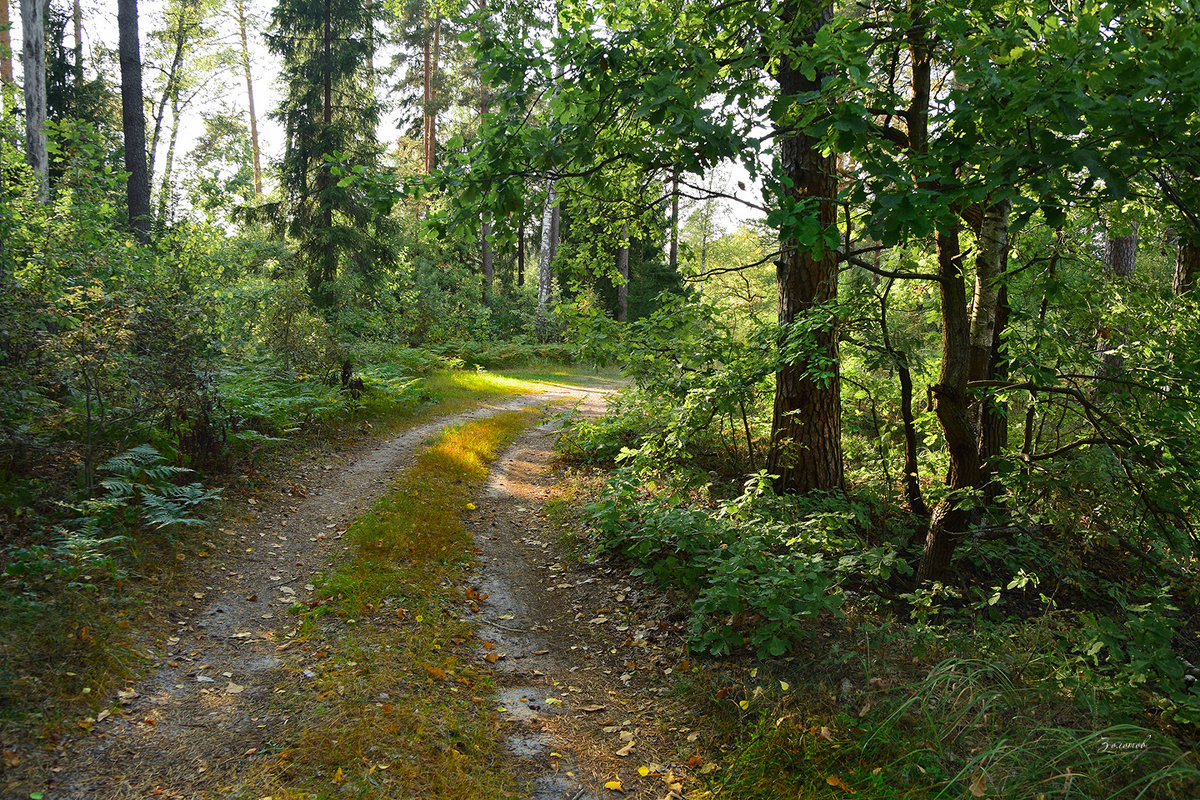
point(329, 115)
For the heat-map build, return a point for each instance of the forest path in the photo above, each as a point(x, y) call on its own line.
point(185, 729)
point(584, 653)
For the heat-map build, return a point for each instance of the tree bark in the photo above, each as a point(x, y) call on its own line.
point(521, 254)
point(241, 19)
point(623, 271)
point(673, 252)
point(485, 256)
point(1187, 261)
point(6, 63)
point(545, 258)
point(170, 89)
point(77, 19)
point(1120, 253)
point(951, 403)
point(33, 26)
point(431, 65)
point(806, 425)
point(133, 119)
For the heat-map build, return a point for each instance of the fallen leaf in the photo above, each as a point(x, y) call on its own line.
point(592, 709)
point(707, 768)
point(491, 658)
point(694, 761)
point(626, 750)
point(644, 771)
point(11, 759)
point(234, 688)
point(826, 734)
point(784, 686)
point(436, 672)
point(614, 786)
point(338, 776)
point(834, 780)
point(553, 701)
point(979, 784)
point(103, 715)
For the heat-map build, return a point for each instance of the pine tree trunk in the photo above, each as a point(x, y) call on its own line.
point(1187, 262)
point(623, 271)
point(133, 119)
point(806, 425)
point(33, 26)
point(6, 63)
point(241, 18)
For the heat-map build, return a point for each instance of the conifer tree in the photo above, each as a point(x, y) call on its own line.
point(329, 114)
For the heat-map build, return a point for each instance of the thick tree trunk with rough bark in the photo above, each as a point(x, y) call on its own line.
point(241, 20)
point(1120, 253)
point(133, 119)
point(806, 424)
point(1187, 262)
point(33, 28)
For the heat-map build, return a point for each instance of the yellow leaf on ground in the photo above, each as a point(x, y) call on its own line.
point(338, 777)
point(834, 780)
point(614, 785)
point(643, 771)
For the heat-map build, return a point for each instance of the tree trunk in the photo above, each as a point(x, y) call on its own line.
point(431, 65)
point(1120, 253)
point(545, 258)
point(33, 26)
point(485, 256)
point(912, 475)
point(170, 91)
point(806, 425)
point(993, 412)
point(1120, 260)
point(6, 63)
point(1187, 261)
point(989, 315)
point(673, 253)
point(521, 254)
point(951, 403)
point(241, 19)
point(623, 271)
point(164, 191)
point(133, 119)
point(77, 19)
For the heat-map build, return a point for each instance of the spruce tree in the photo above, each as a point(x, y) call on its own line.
point(329, 115)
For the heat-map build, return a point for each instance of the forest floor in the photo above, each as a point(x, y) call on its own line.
point(576, 658)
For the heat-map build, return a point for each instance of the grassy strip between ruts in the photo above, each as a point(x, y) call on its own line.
point(389, 710)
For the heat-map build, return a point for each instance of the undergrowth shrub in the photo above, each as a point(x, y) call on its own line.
point(761, 568)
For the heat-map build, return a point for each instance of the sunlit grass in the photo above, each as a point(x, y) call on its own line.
point(587, 377)
point(394, 710)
